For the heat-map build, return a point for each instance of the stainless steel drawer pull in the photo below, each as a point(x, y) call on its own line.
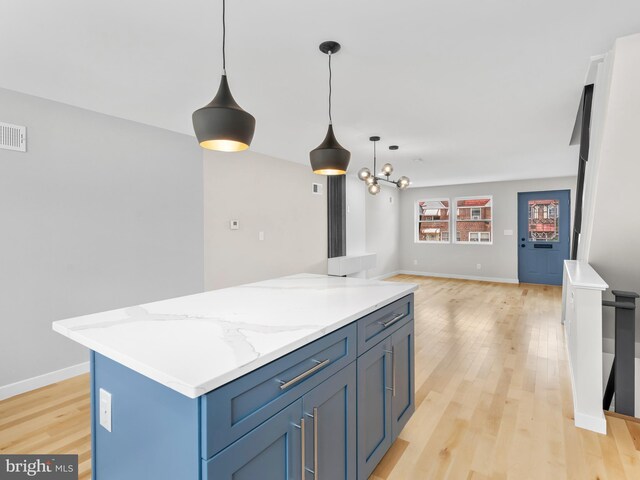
point(393, 320)
point(392, 352)
point(319, 366)
point(315, 443)
point(302, 447)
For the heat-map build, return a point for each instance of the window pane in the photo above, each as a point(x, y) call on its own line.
point(473, 219)
point(543, 220)
point(433, 221)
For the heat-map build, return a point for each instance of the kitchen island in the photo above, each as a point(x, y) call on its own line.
point(301, 377)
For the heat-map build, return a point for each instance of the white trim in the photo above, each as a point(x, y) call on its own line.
point(386, 275)
point(588, 422)
point(417, 222)
point(454, 225)
point(7, 391)
point(460, 277)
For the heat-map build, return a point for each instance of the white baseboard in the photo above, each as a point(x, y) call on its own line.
point(460, 277)
point(588, 422)
point(386, 275)
point(29, 384)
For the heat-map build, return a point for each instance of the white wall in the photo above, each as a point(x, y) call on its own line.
point(373, 226)
point(383, 229)
point(264, 194)
point(498, 261)
point(610, 239)
point(356, 216)
point(100, 213)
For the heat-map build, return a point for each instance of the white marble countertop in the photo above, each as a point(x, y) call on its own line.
point(197, 343)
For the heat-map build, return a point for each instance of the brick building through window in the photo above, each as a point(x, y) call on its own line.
point(474, 219)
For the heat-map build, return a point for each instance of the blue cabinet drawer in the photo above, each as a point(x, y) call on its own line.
point(273, 451)
point(235, 409)
point(378, 325)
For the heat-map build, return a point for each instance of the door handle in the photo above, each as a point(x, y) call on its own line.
point(395, 319)
point(393, 370)
point(318, 366)
point(522, 245)
point(314, 472)
point(315, 443)
point(302, 448)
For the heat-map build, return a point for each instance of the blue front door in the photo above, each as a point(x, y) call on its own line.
point(543, 236)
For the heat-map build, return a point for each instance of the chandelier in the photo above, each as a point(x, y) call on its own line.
point(371, 179)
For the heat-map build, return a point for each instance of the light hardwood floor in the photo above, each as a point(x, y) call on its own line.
point(493, 397)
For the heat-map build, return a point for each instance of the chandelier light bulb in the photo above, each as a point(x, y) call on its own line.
point(374, 189)
point(403, 182)
point(387, 169)
point(364, 173)
point(370, 180)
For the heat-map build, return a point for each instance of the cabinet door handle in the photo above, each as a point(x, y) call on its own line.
point(302, 448)
point(393, 370)
point(314, 472)
point(393, 320)
point(320, 365)
point(392, 352)
point(315, 443)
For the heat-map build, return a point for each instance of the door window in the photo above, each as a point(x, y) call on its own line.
point(543, 220)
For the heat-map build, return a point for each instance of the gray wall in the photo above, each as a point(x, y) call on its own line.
point(498, 261)
point(383, 229)
point(264, 194)
point(100, 213)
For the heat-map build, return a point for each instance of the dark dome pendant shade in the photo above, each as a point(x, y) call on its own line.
point(222, 124)
point(330, 158)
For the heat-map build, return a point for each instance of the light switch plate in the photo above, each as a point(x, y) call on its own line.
point(105, 409)
point(234, 224)
point(508, 232)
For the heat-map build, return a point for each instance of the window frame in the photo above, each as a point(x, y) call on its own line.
point(416, 221)
point(455, 220)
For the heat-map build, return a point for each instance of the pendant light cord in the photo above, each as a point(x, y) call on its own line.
point(224, 38)
point(330, 119)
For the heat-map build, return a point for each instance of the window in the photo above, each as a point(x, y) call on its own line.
point(474, 220)
point(432, 221)
point(543, 220)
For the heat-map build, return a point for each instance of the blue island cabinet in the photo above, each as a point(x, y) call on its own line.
point(386, 396)
point(329, 410)
point(312, 438)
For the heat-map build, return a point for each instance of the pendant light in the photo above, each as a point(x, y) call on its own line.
point(222, 124)
point(371, 179)
point(330, 158)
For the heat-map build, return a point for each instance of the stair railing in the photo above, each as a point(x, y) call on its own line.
point(622, 377)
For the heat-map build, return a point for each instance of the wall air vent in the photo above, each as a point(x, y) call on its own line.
point(13, 137)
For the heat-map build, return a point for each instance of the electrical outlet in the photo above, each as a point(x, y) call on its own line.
point(390, 199)
point(478, 266)
point(415, 261)
point(260, 236)
point(105, 409)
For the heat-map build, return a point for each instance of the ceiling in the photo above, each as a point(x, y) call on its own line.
point(471, 90)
